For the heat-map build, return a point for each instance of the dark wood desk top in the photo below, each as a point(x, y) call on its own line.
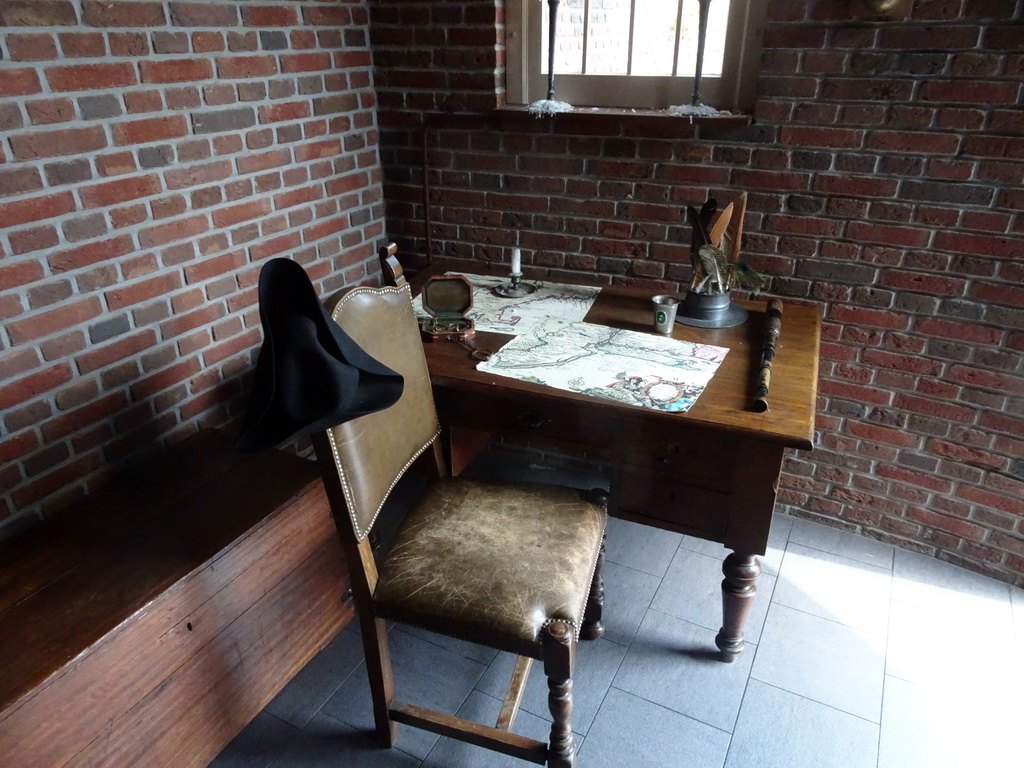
point(725, 405)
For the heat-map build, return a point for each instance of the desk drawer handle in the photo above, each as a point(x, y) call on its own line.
point(666, 453)
point(533, 420)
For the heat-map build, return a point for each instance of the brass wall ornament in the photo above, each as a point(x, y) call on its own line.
point(882, 10)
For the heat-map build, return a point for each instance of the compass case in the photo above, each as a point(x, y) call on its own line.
point(447, 299)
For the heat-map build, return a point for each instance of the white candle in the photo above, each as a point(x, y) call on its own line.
point(517, 259)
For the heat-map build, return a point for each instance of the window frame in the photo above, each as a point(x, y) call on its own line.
point(526, 81)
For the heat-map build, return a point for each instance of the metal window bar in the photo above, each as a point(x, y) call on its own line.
point(586, 35)
point(702, 33)
point(679, 38)
point(632, 26)
point(552, 24)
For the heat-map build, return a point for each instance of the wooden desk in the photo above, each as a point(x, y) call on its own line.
point(711, 472)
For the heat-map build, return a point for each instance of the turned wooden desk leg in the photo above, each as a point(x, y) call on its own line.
point(738, 590)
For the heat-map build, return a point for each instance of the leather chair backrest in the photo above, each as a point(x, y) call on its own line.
point(373, 451)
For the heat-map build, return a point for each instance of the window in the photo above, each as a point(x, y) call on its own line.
point(635, 53)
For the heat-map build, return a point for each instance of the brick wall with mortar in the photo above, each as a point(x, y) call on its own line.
point(152, 156)
point(885, 170)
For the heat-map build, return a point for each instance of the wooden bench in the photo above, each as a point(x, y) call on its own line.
point(148, 624)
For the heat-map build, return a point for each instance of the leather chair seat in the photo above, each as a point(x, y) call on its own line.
point(473, 560)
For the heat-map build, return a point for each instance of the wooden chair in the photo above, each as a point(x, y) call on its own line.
point(391, 269)
point(511, 566)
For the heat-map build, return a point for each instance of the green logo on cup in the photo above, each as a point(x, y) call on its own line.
point(662, 317)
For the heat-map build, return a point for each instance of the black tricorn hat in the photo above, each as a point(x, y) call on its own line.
point(310, 374)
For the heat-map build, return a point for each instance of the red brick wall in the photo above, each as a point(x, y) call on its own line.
point(885, 173)
point(152, 156)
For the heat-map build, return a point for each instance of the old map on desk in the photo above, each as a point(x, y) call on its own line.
point(518, 316)
point(626, 366)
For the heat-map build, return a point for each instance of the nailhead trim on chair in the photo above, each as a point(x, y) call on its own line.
point(360, 535)
point(575, 629)
point(583, 608)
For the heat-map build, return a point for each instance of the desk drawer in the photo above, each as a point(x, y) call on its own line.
point(651, 494)
point(680, 454)
point(566, 423)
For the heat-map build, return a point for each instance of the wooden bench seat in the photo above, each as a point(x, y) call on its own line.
point(148, 624)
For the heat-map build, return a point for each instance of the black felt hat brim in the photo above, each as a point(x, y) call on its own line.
point(310, 375)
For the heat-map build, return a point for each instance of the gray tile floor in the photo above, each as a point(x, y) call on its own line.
point(858, 655)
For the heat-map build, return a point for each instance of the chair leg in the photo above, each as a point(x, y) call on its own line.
point(382, 683)
point(559, 658)
point(593, 626)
